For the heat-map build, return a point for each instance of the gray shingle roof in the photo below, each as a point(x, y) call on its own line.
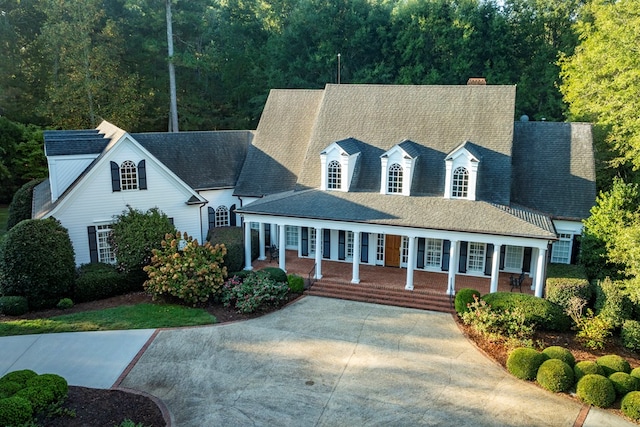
point(204, 160)
point(73, 142)
point(554, 169)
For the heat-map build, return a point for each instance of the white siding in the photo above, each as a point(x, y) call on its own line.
point(64, 170)
point(216, 198)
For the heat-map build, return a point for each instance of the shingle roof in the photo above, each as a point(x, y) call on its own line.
point(554, 169)
point(434, 213)
point(74, 142)
point(204, 160)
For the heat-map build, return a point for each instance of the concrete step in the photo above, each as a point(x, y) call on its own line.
point(381, 295)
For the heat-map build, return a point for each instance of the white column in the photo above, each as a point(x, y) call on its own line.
point(533, 266)
point(318, 253)
point(495, 267)
point(273, 234)
point(282, 248)
point(355, 277)
point(411, 263)
point(262, 233)
point(247, 246)
point(540, 264)
point(453, 267)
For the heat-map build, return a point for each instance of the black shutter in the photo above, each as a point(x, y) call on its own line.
point(488, 260)
point(446, 248)
point(93, 244)
point(115, 177)
point(341, 244)
point(421, 248)
point(171, 220)
point(503, 252)
point(304, 240)
point(232, 216)
point(267, 234)
point(462, 261)
point(526, 260)
point(364, 247)
point(575, 249)
point(326, 245)
point(142, 175)
point(212, 217)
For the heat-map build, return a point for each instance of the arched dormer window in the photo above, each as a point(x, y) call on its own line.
point(460, 183)
point(222, 216)
point(334, 175)
point(128, 175)
point(395, 179)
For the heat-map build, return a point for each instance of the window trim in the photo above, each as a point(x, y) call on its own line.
point(105, 251)
point(395, 178)
point(334, 175)
point(460, 183)
point(476, 257)
point(222, 216)
point(128, 176)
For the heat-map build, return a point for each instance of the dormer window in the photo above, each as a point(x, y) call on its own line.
point(334, 175)
point(397, 168)
point(337, 164)
point(128, 175)
point(395, 179)
point(462, 172)
point(460, 185)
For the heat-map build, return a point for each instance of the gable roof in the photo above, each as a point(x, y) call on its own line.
point(554, 168)
point(73, 142)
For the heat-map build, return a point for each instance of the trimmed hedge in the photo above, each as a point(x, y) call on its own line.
point(630, 405)
point(57, 384)
point(596, 390)
point(555, 375)
point(545, 314)
point(586, 367)
point(611, 363)
point(232, 238)
point(630, 334)
point(276, 274)
point(296, 283)
point(524, 362)
point(39, 397)
point(8, 388)
point(464, 297)
point(635, 373)
point(20, 206)
point(612, 302)
point(98, 280)
point(623, 383)
point(560, 353)
point(13, 305)
point(566, 281)
point(15, 411)
point(21, 377)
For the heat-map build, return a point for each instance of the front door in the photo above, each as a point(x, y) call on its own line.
point(392, 250)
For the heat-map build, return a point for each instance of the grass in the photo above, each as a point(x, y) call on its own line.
point(139, 316)
point(4, 216)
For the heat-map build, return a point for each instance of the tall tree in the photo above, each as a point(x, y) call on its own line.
point(173, 106)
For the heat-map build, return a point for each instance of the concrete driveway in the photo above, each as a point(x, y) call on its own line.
point(327, 362)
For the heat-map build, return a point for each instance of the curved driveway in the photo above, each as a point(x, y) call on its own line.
point(327, 362)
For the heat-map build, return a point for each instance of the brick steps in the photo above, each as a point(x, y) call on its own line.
point(381, 295)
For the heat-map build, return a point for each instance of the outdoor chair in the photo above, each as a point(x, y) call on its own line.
point(273, 252)
point(516, 282)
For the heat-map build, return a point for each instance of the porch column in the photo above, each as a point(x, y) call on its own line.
point(273, 234)
point(540, 264)
point(318, 253)
point(282, 248)
point(495, 267)
point(262, 235)
point(355, 276)
point(247, 246)
point(453, 266)
point(411, 263)
point(533, 266)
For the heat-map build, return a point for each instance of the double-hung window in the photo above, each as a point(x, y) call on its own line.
point(105, 251)
point(561, 250)
point(475, 259)
point(460, 186)
point(222, 216)
point(395, 179)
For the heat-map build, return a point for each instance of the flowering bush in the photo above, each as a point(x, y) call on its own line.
point(254, 292)
point(184, 269)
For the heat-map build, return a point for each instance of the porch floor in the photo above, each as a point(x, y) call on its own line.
point(389, 277)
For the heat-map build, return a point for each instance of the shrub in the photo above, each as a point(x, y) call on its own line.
point(524, 362)
point(630, 405)
point(566, 281)
point(99, 280)
point(560, 353)
point(242, 274)
point(464, 297)
point(296, 283)
point(57, 384)
point(39, 397)
point(277, 274)
point(635, 373)
point(510, 324)
point(612, 302)
point(254, 292)
point(20, 207)
point(13, 305)
point(21, 377)
point(630, 334)
point(545, 314)
point(611, 363)
point(134, 236)
point(623, 383)
point(596, 390)
point(8, 388)
point(15, 411)
point(184, 269)
point(65, 303)
point(593, 331)
point(555, 375)
point(232, 239)
point(37, 262)
point(586, 367)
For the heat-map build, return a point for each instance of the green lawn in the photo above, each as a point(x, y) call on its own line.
point(139, 316)
point(4, 214)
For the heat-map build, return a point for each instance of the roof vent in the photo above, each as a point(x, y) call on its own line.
point(477, 81)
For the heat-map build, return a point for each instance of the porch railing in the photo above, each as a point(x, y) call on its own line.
point(311, 276)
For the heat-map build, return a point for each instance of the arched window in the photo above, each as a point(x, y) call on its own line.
point(334, 175)
point(460, 185)
point(222, 216)
point(395, 179)
point(128, 175)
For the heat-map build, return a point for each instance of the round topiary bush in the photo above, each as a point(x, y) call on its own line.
point(613, 363)
point(524, 362)
point(57, 384)
point(555, 375)
point(15, 411)
point(587, 367)
point(636, 373)
point(8, 388)
point(277, 274)
point(296, 283)
point(99, 280)
point(596, 390)
point(13, 305)
point(37, 262)
point(464, 297)
point(630, 405)
point(623, 383)
point(560, 353)
point(39, 397)
point(21, 377)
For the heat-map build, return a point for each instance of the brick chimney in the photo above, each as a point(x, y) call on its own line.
point(477, 81)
